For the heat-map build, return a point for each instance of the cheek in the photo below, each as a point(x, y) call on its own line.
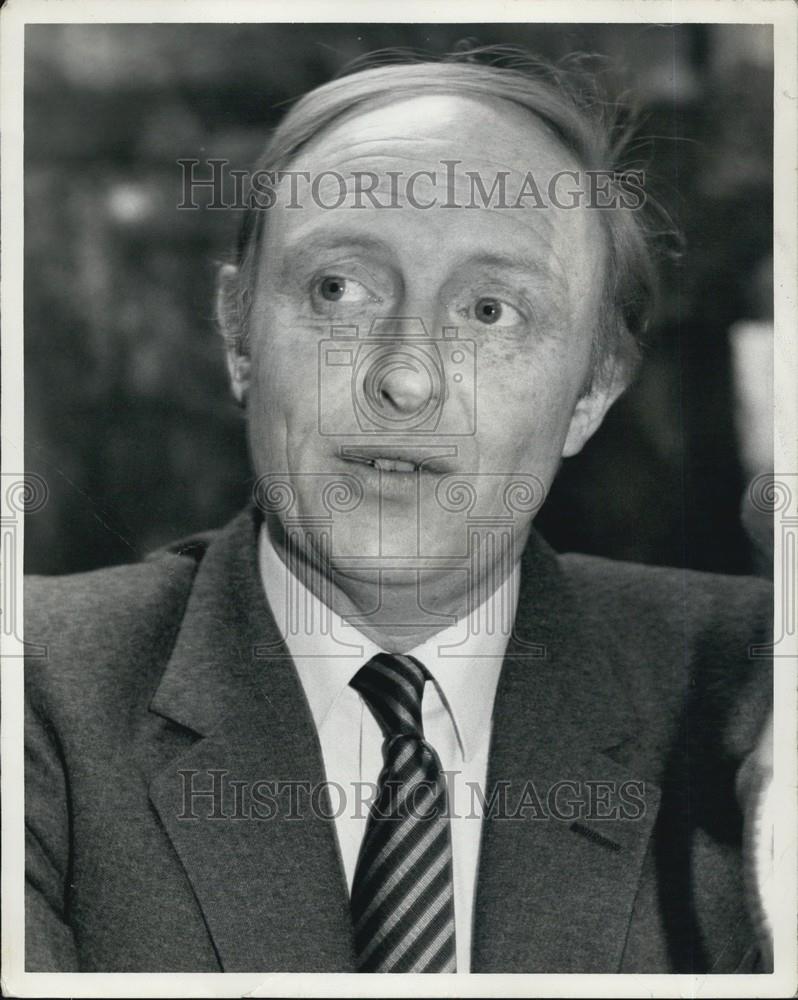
point(525, 400)
point(285, 363)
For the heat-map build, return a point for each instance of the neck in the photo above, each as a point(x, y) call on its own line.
point(397, 609)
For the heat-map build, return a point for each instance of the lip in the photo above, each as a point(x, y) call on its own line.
point(438, 459)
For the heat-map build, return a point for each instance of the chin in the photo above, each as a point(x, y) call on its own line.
point(399, 559)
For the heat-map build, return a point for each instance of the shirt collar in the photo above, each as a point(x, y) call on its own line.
point(464, 659)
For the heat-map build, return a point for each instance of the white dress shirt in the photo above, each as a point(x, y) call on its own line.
point(464, 661)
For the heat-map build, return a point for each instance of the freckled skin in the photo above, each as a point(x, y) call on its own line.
point(542, 267)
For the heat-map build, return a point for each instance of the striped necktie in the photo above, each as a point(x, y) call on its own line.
point(402, 897)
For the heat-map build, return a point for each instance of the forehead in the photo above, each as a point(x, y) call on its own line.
point(465, 144)
point(478, 129)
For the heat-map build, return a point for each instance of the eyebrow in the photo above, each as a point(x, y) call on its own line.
point(303, 246)
point(309, 243)
point(538, 265)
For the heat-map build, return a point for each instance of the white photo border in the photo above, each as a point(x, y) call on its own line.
point(783, 15)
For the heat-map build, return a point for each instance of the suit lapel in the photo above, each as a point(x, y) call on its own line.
point(262, 862)
point(556, 894)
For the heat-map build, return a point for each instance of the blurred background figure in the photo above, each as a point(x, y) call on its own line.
point(751, 342)
point(127, 408)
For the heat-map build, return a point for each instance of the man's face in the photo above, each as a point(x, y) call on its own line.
point(402, 411)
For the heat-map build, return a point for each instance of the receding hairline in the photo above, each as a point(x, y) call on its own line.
point(521, 114)
point(554, 110)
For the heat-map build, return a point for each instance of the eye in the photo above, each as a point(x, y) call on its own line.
point(488, 310)
point(333, 288)
point(495, 312)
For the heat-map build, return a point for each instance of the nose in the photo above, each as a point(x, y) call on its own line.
point(403, 381)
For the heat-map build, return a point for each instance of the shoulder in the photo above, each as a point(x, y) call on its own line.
point(78, 604)
point(661, 597)
point(679, 638)
point(94, 629)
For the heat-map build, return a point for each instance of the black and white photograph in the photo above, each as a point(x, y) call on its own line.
point(399, 451)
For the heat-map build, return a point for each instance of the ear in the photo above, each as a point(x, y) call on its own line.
point(590, 410)
point(228, 316)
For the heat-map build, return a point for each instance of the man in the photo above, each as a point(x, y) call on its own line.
point(375, 723)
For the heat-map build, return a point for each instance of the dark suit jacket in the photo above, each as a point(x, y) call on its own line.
point(616, 672)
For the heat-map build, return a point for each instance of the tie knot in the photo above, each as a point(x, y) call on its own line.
point(392, 687)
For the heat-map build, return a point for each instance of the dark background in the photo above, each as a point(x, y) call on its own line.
point(128, 416)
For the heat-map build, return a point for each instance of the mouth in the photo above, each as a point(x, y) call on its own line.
point(389, 458)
